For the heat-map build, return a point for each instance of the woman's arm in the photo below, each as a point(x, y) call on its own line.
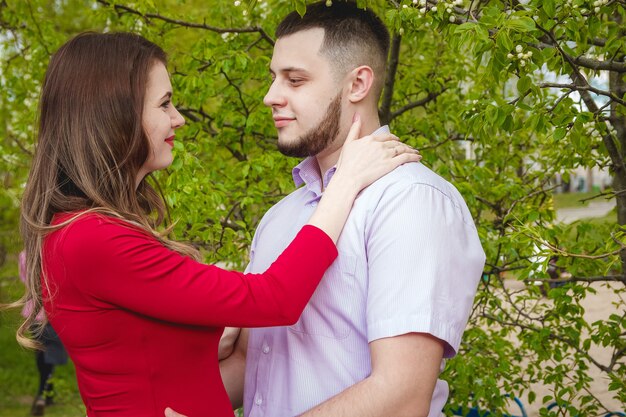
point(115, 265)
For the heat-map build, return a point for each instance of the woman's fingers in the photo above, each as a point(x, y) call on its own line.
point(355, 129)
point(396, 148)
point(383, 137)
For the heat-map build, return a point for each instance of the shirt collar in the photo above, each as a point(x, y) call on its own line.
point(307, 172)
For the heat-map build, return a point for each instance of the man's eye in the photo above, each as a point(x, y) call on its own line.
point(295, 80)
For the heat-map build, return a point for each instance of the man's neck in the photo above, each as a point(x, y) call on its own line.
point(328, 157)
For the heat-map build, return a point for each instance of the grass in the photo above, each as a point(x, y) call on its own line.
point(610, 217)
point(572, 200)
point(18, 372)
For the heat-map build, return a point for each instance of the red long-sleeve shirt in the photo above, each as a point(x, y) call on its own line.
point(142, 323)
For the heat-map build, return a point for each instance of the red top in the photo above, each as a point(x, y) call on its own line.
point(142, 323)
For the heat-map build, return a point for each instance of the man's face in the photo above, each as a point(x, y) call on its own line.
point(306, 100)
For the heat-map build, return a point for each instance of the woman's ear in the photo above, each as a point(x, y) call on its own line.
point(361, 80)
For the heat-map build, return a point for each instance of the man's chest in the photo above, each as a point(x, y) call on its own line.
point(338, 304)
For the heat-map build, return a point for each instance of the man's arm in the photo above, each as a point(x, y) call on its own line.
point(404, 373)
point(233, 370)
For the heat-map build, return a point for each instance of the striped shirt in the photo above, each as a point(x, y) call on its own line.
point(409, 261)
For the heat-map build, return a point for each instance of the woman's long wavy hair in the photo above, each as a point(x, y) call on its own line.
point(90, 147)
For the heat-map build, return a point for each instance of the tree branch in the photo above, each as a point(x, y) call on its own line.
point(564, 253)
point(204, 26)
point(606, 278)
point(577, 87)
point(597, 65)
point(430, 97)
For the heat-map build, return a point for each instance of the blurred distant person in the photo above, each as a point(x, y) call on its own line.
point(53, 353)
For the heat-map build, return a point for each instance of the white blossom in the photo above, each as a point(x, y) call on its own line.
point(519, 48)
point(452, 19)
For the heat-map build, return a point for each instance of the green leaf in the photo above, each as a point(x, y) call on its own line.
point(300, 6)
point(548, 7)
point(521, 24)
point(523, 84)
point(559, 133)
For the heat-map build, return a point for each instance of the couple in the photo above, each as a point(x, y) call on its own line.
point(141, 319)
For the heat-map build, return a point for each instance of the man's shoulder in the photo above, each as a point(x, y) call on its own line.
point(294, 198)
point(285, 207)
point(408, 175)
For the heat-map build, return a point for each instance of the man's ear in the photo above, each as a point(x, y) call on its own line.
point(361, 80)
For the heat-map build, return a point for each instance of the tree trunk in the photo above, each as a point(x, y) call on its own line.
point(617, 86)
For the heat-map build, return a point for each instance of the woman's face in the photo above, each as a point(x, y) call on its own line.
point(160, 119)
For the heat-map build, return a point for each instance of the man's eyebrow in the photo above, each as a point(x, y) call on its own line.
point(293, 69)
point(289, 69)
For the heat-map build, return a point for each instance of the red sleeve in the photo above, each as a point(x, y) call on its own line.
point(122, 266)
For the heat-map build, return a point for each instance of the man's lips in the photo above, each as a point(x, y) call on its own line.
point(282, 121)
point(170, 141)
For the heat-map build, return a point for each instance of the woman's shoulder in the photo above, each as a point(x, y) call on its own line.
point(94, 225)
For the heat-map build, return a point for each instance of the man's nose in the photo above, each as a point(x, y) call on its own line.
point(274, 96)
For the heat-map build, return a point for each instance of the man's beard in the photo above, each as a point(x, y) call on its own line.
point(317, 138)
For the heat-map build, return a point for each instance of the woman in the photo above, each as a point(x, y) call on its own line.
point(139, 316)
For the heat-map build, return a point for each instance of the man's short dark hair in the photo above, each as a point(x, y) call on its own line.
point(352, 36)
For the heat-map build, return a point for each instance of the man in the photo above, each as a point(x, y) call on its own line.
point(395, 303)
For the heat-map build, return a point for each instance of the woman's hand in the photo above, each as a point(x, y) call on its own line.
point(227, 342)
point(171, 413)
point(364, 160)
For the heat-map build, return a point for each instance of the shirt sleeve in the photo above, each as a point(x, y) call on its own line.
point(121, 266)
point(424, 263)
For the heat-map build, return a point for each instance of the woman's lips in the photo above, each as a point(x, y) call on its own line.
point(170, 141)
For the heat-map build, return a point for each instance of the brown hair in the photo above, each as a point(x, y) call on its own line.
point(352, 36)
point(90, 147)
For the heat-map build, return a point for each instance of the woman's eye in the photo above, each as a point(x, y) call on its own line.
point(165, 104)
point(295, 80)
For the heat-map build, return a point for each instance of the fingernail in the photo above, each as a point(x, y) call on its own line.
point(356, 117)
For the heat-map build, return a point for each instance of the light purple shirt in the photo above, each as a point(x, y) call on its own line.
point(409, 261)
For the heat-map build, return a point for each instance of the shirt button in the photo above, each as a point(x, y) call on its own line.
point(259, 401)
point(266, 349)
